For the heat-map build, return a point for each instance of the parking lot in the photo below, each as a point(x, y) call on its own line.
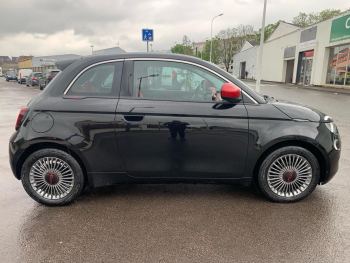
point(177, 223)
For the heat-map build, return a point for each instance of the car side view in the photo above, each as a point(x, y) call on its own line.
point(164, 118)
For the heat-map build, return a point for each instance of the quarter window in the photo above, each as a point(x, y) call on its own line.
point(97, 81)
point(164, 80)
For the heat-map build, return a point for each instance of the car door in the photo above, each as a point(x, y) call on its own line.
point(172, 123)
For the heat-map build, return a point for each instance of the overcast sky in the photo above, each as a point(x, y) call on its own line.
point(48, 27)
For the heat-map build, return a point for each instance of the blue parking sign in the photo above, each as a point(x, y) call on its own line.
point(147, 35)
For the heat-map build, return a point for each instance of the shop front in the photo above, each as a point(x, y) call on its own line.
point(305, 67)
point(339, 66)
point(338, 72)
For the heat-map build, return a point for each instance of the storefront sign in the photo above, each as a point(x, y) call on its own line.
point(340, 28)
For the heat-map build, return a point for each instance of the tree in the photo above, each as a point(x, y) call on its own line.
point(304, 19)
point(268, 32)
point(228, 45)
point(215, 53)
point(185, 48)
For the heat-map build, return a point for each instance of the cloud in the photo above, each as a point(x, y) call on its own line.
point(43, 27)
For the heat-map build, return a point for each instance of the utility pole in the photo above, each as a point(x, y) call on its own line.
point(211, 35)
point(260, 51)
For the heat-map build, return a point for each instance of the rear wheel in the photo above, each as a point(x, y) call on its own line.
point(289, 174)
point(52, 177)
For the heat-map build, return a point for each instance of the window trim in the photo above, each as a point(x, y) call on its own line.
point(87, 68)
point(152, 59)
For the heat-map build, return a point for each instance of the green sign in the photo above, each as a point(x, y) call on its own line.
point(340, 28)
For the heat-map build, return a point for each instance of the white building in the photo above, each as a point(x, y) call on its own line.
point(243, 65)
point(315, 55)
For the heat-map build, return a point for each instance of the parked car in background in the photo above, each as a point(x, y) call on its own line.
point(166, 118)
point(33, 79)
point(11, 75)
point(47, 77)
point(22, 75)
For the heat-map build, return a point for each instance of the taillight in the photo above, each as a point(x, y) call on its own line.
point(34, 78)
point(22, 113)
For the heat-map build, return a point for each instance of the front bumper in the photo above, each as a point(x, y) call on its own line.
point(332, 144)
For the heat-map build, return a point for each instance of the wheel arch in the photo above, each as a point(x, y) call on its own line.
point(44, 145)
point(322, 161)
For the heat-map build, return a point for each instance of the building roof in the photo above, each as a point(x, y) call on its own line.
point(109, 51)
point(282, 29)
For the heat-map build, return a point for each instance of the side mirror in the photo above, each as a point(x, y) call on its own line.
point(230, 92)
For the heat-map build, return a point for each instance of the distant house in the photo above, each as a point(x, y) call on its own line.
point(7, 62)
point(198, 47)
point(243, 65)
point(25, 62)
point(109, 51)
point(4, 59)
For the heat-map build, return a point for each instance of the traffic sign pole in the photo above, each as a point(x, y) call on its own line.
point(147, 36)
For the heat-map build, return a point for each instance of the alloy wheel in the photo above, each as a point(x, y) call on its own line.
point(289, 175)
point(51, 177)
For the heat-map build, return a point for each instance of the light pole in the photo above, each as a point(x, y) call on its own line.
point(92, 49)
point(260, 51)
point(211, 34)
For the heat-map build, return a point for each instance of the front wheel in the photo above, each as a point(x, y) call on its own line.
point(52, 177)
point(289, 174)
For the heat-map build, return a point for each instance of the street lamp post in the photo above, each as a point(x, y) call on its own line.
point(211, 35)
point(260, 51)
point(92, 49)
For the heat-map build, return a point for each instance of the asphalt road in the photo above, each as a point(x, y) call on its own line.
point(177, 223)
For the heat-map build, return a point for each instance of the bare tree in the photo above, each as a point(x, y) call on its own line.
point(227, 46)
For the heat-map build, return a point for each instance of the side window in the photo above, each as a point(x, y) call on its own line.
point(163, 80)
point(98, 80)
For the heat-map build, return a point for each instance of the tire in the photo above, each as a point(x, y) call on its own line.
point(37, 178)
point(283, 184)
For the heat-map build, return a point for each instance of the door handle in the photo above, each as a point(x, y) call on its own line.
point(133, 118)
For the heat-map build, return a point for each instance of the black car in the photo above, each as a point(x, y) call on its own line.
point(47, 77)
point(10, 75)
point(33, 79)
point(165, 118)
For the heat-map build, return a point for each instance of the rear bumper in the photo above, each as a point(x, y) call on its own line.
point(14, 156)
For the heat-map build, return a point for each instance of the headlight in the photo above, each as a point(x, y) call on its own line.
point(332, 127)
point(330, 124)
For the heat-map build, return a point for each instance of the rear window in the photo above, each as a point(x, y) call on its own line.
point(38, 74)
point(98, 80)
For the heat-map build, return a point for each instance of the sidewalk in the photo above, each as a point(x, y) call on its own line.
point(345, 91)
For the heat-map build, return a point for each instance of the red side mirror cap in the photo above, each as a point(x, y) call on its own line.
point(230, 92)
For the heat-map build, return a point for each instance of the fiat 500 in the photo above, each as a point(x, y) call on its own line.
point(162, 118)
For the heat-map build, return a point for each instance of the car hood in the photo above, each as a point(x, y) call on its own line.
point(299, 112)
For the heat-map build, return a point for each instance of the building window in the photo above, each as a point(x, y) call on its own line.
point(339, 66)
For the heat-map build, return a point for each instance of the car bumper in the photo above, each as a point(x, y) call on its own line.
point(15, 156)
point(332, 144)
